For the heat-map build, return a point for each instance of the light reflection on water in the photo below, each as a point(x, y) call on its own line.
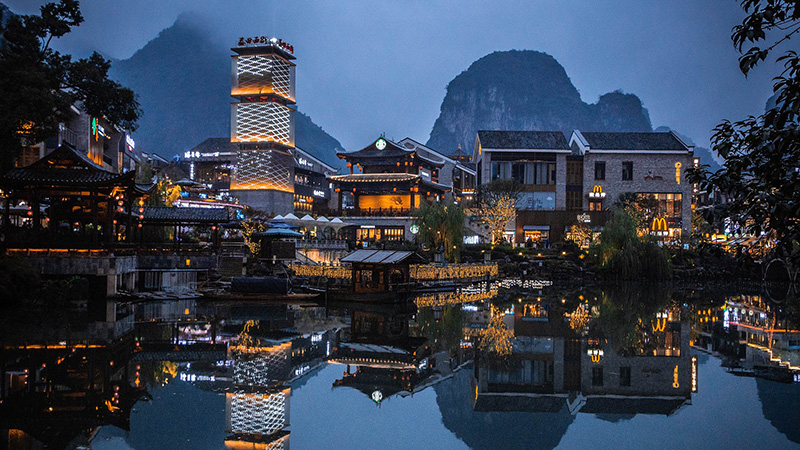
point(626, 367)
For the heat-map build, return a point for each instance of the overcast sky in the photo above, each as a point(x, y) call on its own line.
point(367, 67)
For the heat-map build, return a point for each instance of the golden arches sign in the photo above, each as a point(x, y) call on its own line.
point(660, 325)
point(659, 224)
point(597, 189)
point(596, 358)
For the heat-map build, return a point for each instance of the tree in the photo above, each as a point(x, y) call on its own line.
point(761, 174)
point(39, 85)
point(442, 226)
point(625, 255)
point(497, 203)
point(639, 207)
point(497, 339)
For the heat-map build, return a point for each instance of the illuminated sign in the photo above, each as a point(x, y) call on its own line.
point(661, 322)
point(675, 383)
point(316, 338)
point(659, 227)
point(318, 193)
point(596, 354)
point(414, 229)
point(130, 142)
point(380, 144)
point(597, 192)
point(264, 40)
point(304, 162)
point(424, 173)
point(584, 218)
point(472, 240)
point(367, 227)
point(694, 373)
point(206, 155)
point(97, 129)
point(377, 396)
point(678, 172)
point(301, 370)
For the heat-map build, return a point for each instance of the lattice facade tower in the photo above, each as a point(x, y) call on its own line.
point(262, 123)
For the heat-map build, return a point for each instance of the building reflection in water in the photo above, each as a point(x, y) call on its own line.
point(380, 356)
point(756, 336)
point(588, 361)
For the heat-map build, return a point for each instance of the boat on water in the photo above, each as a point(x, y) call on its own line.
point(268, 289)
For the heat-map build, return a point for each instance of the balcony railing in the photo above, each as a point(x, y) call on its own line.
point(323, 244)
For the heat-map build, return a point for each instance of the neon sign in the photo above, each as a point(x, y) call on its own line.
point(694, 373)
point(264, 40)
point(675, 383)
point(319, 193)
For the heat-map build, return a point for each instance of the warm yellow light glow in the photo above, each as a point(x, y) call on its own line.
point(261, 187)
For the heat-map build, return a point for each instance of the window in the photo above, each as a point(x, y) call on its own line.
point(595, 206)
point(599, 170)
point(518, 172)
point(627, 170)
point(624, 376)
point(597, 376)
point(575, 173)
point(574, 200)
point(545, 173)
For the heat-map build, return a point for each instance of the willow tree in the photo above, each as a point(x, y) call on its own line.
point(497, 204)
point(442, 226)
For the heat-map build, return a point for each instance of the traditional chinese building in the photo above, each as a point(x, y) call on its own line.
point(70, 197)
point(386, 183)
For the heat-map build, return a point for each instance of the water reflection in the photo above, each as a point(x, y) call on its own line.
point(512, 355)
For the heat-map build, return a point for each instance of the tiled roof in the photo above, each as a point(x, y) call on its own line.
point(220, 144)
point(383, 257)
point(64, 166)
point(633, 405)
point(633, 141)
point(392, 149)
point(544, 140)
point(175, 214)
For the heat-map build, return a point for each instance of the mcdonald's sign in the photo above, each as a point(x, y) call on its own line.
point(597, 192)
point(659, 227)
point(660, 324)
point(596, 354)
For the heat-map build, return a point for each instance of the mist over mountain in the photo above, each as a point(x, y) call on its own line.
point(526, 90)
point(182, 79)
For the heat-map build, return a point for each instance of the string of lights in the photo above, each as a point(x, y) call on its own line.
point(452, 298)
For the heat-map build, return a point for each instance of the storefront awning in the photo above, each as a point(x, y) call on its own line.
point(536, 228)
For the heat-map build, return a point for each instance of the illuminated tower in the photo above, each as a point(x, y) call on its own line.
point(262, 123)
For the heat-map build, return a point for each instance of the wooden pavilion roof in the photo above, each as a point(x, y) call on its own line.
point(67, 167)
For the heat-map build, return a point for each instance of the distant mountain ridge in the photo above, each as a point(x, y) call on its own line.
point(529, 90)
point(182, 80)
point(526, 90)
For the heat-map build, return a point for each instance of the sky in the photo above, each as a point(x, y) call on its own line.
point(371, 67)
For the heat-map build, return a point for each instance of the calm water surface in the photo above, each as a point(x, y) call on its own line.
point(501, 366)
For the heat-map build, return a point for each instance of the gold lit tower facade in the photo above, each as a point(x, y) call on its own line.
point(262, 123)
